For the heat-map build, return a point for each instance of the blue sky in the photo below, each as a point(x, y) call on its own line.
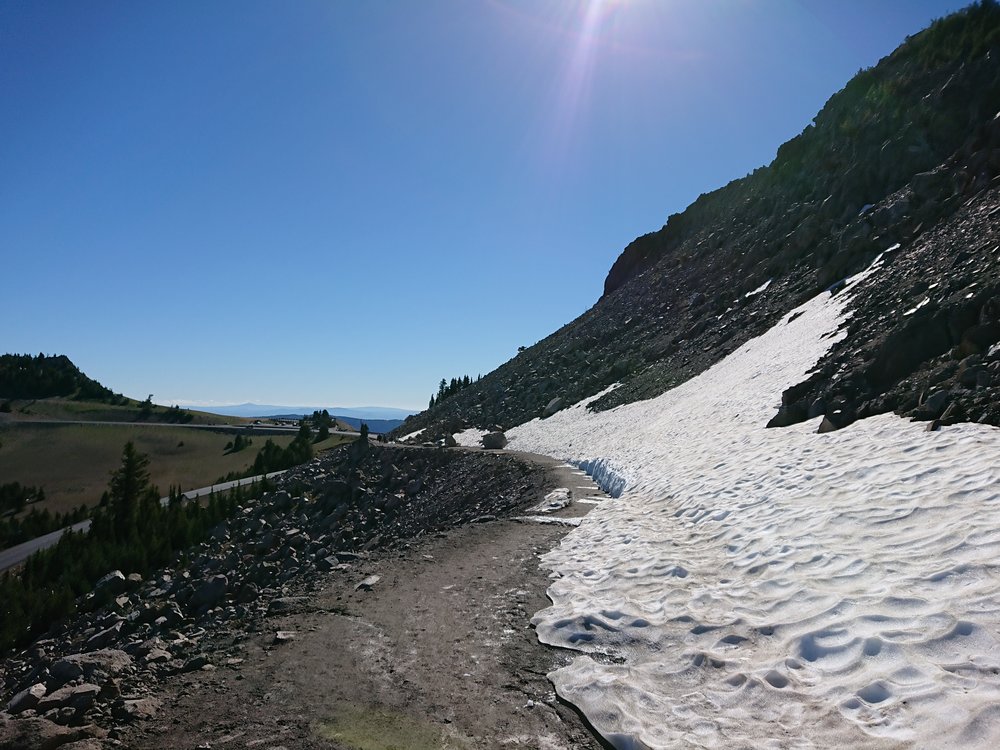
point(326, 202)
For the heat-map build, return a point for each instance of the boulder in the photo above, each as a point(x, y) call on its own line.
point(27, 698)
point(827, 425)
point(36, 733)
point(111, 585)
point(209, 592)
point(137, 709)
point(327, 563)
point(200, 661)
point(368, 583)
point(96, 666)
point(936, 401)
point(494, 440)
point(157, 656)
point(552, 407)
point(78, 697)
point(104, 637)
point(90, 744)
point(788, 414)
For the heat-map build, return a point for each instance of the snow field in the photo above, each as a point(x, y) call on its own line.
point(777, 588)
point(470, 438)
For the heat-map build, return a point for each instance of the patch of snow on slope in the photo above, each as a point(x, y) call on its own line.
point(778, 587)
point(759, 289)
point(470, 438)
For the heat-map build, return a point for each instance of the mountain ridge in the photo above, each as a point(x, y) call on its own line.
point(250, 409)
point(893, 157)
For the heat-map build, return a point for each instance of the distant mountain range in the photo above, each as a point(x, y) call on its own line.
point(270, 410)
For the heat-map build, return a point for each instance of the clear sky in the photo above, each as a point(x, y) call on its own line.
point(341, 202)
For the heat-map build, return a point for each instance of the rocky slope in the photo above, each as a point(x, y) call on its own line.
point(100, 671)
point(904, 157)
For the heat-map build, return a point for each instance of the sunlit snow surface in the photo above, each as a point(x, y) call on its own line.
point(777, 588)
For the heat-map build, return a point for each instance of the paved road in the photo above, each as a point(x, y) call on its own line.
point(21, 552)
point(244, 429)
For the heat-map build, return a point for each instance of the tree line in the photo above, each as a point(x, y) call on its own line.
point(450, 388)
point(322, 421)
point(272, 457)
point(14, 496)
point(36, 523)
point(23, 376)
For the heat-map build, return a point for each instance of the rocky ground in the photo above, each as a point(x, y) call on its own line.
point(923, 340)
point(380, 593)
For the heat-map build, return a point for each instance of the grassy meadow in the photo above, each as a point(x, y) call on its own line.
point(73, 462)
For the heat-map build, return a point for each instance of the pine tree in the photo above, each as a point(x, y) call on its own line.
point(129, 483)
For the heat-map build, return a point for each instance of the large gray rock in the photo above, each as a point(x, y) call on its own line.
point(552, 407)
point(113, 584)
point(137, 709)
point(209, 592)
point(95, 666)
point(90, 744)
point(104, 637)
point(494, 440)
point(79, 697)
point(36, 733)
point(936, 401)
point(27, 698)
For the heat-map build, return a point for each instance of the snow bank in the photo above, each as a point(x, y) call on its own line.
point(470, 438)
point(777, 588)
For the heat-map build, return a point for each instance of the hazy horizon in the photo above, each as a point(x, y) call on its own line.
point(347, 411)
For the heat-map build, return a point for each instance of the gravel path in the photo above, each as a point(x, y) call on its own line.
point(439, 653)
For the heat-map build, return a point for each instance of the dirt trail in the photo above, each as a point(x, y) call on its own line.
point(438, 654)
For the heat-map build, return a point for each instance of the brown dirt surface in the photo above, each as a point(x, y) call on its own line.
point(438, 654)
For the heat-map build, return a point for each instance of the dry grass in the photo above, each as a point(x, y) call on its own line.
point(68, 409)
point(72, 463)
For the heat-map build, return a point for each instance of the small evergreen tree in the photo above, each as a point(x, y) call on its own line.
point(128, 488)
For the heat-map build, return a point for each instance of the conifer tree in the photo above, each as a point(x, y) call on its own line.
point(127, 488)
